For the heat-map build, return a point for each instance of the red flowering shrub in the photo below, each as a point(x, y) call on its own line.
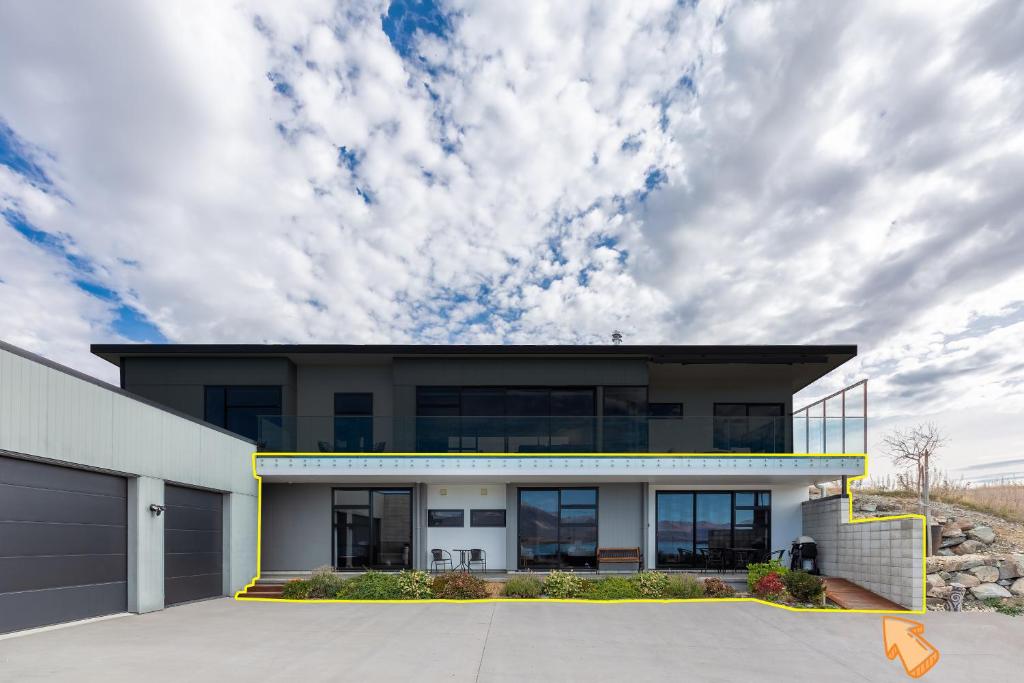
point(769, 587)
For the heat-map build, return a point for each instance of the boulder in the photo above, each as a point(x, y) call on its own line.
point(942, 592)
point(867, 507)
point(1011, 566)
point(982, 533)
point(967, 580)
point(985, 573)
point(990, 590)
point(949, 541)
point(969, 547)
point(957, 563)
point(951, 530)
point(1017, 588)
point(933, 581)
point(966, 526)
point(944, 552)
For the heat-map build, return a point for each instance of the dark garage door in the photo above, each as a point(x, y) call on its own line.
point(63, 544)
point(193, 546)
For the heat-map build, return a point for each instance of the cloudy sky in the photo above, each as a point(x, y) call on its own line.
point(481, 172)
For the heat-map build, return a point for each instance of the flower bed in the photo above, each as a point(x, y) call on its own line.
point(325, 584)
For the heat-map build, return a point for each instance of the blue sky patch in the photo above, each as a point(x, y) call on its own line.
point(17, 155)
point(405, 17)
point(135, 326)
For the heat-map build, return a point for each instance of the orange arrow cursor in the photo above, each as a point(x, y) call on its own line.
point(903, 637)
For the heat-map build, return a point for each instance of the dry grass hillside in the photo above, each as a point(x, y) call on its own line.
point(1005, 500)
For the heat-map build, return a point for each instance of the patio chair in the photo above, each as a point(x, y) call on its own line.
point(478, 557)
point(715, 558)
point(440, 558)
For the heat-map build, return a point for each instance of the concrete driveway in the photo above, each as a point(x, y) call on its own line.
point(228, 640)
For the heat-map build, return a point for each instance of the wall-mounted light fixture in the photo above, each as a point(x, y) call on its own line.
point(156, 509)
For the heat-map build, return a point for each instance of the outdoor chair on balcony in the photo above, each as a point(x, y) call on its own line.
point(440, 560)
point(477, 558)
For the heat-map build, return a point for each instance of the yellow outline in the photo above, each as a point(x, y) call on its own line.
point(850, 520)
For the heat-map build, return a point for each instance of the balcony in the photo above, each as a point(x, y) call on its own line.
point(559, 434)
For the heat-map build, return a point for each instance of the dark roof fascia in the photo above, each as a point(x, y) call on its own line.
point(659, 354)
point(35, 358)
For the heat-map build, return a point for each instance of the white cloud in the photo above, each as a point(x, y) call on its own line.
point(846, 174)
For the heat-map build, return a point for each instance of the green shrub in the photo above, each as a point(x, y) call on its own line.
point(804, 587)
point(371, 586)
point(564, 585)
point(459, 586)
point(716, 588)
point(612, 588)
point(296, 589)
point(770, 587)
point(324, 583)
point(525, 586)
point(651, 584)
point(684, 587)
point(415, 585)
point(758, 570)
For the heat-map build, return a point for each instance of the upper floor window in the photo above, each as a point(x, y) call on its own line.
point(353, 422)
point(625, 419)
point(750, 427)
point(238, 408)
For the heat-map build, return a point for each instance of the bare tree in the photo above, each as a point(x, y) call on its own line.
point(913, 449)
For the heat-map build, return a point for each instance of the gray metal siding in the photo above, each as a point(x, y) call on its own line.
point(63, 544)
point(620, 515)
point(297, 526)
point(193, 544)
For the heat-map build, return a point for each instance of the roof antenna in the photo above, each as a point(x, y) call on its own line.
point(616, 337)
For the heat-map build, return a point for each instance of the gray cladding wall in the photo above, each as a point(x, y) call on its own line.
point(297, 527)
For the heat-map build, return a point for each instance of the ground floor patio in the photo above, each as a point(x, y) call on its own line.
point(229, 640)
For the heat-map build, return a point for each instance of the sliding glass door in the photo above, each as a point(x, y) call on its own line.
point(689, 523)
point(372, 528)
point(558, 528)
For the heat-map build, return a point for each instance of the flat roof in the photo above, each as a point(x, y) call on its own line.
point(815, 360)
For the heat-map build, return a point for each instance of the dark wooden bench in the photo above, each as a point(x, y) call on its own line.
point(619, 556)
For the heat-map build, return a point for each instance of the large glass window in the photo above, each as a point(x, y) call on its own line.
point(504, 419)
point(625, 419)
point(353, 422)
point(750, 427)
point(238, 408)
point(689, 523)
point(558, 528)
point(372, 528)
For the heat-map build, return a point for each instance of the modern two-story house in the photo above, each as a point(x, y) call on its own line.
point(537, 455)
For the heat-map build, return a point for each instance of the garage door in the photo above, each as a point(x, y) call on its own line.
point(193, 545)
point(63, 544)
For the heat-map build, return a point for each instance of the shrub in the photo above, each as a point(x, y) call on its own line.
point(716, 588)
point(459, 586)
point(324, 583)
point(761, 569)
point(613, 588)
point(415, 585)
point(1011, 607)
point(522, 587)
point(769, 587)
point(296, 589)
point(804, 587)
point(651, 584)
point(371, 586)
point(564, 585)
point(684, 587)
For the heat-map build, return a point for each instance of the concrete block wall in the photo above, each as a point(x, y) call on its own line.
point(884, 556)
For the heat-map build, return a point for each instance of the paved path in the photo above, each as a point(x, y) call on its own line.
point(225, 640)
